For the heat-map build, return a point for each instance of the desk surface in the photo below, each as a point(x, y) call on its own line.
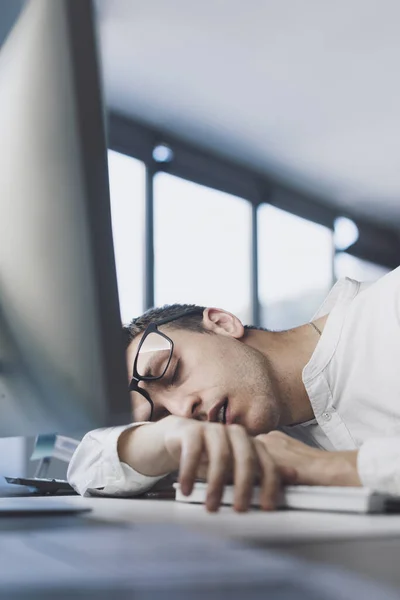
point(364, 544)
point(265, 528)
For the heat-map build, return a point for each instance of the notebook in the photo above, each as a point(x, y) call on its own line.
point(303, 497)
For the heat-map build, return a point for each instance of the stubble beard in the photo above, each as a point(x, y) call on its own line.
point(266, 410)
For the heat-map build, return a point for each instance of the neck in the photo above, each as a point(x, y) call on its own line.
point(288, 352)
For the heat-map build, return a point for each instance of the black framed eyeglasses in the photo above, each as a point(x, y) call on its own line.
point(153, 356)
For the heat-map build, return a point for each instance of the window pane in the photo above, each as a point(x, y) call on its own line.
point(347, 265)
point(295, 267)
point(127, 191)
point(202, 246)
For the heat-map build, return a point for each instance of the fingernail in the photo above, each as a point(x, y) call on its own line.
point(185, 488)
point(212, 504)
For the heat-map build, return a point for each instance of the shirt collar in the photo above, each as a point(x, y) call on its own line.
point(335, 305)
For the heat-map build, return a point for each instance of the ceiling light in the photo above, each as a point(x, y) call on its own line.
point(345, 233)
point(162, 153)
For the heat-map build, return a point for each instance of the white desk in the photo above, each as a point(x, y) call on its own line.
point(363, 544)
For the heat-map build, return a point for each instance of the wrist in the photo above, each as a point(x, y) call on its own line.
point(340, 468)
point(143, 448)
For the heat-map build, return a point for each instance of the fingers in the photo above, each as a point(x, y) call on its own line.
point(245, 466)
point(270, 483)
point(222, 450)
point(210, 441)
point(219, 463)
point(192, 445)
point(288, 454)
point(289, 475)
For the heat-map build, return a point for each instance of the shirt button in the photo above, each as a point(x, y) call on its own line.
point(326, 416)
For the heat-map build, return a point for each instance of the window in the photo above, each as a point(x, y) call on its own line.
point(127, 190)
point(347, 265)
point(202, 241)
point(295, 267)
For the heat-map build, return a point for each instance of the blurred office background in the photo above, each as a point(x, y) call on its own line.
point(254, 149)
point(254, 146)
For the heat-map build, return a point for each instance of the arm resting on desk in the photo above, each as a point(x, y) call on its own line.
point(96, 467)
point(312, 466)
point(376, 464)
point(130, 460)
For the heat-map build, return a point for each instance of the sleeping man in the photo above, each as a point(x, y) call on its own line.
point(316, 405)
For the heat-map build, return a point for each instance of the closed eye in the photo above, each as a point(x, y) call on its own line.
point(175, 376)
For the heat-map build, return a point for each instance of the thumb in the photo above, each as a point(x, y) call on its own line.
point(289, 475)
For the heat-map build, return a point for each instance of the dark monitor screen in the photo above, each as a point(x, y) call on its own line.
point(62, 365)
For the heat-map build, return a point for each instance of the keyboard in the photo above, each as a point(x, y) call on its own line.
point(303, 497)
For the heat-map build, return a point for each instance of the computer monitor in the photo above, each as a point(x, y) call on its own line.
point(62, 365)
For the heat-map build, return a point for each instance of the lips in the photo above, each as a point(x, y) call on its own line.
point(218, 412)
point(221, 416)
point(228, 416)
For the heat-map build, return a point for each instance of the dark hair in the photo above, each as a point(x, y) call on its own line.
point(192, 322)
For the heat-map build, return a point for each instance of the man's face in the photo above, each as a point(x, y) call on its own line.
point(211, 376)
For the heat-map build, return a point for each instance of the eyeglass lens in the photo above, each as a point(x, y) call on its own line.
point(153, 356)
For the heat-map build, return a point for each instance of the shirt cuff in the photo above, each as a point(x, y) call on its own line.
point(378, 464)
point(129, 483)
point(95, 468)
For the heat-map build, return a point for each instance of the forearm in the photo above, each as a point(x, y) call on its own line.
point(378, 464)
point(313, 466)
point(143, 449)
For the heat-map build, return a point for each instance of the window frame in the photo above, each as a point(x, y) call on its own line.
point(377, 244)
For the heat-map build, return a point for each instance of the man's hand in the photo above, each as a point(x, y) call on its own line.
point(313, 466)
point(218, 453)
point(221, 454)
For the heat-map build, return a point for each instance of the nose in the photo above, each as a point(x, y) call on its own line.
point(189, 406)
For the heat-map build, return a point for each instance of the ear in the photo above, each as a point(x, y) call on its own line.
point(222, 322)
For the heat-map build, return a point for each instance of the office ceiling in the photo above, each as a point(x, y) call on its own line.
point(309, 91)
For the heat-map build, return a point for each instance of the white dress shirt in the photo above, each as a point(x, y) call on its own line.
point(352, 380)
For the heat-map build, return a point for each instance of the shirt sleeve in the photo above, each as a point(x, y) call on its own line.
point(378, 464)
point(95, 468)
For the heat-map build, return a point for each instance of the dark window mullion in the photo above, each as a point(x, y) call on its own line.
point(255, 301)
point(149, 238)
